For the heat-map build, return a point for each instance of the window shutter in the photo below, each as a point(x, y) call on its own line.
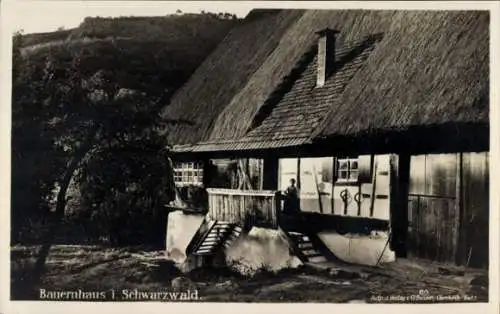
point(365, 163)
point(327, 172)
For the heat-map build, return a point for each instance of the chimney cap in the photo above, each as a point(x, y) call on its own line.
point(327, 31)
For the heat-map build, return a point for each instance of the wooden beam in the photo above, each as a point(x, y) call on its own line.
point(399, 204)
point(298, 174)
point(461, 238)
point(270, 172)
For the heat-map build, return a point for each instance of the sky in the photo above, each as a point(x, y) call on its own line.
point(45, 16)
point(37, 16)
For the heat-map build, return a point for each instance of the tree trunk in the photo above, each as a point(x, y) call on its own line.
point(57, 217)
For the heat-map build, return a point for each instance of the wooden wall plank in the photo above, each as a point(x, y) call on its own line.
point(443, 178)
point(417, 175)
point(476, 209)
point(432, 212)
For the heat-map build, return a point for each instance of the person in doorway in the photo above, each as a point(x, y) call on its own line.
point(291, 195)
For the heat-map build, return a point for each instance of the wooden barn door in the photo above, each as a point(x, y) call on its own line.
point(433, 214)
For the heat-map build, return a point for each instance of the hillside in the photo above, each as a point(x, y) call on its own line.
point(153, 54)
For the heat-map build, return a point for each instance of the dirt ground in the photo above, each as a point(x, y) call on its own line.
point(136, 274)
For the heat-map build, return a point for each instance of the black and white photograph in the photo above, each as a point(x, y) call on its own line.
point(250, 152)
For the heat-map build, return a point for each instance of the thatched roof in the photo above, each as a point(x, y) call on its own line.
point(224, 73)
point(395, 70)
point(430, 69)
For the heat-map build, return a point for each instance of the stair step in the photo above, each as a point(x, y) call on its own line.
point(305, 245)
point(310, 252)
point(224, 226)
point(313, 255)
point(317, 259)
point(201, 251)
point(210, 242)
point(217, 233)
point(220, 230)
point(213, 236)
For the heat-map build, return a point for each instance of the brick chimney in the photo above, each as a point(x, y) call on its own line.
point(326, 54)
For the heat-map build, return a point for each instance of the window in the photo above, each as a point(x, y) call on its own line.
point(347, 170)
point(188, 173)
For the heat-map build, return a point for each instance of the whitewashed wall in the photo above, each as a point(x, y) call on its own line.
point(180, 230)
point(359, 249)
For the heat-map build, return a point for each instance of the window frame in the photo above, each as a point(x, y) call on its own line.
point(348, 171)
point(188, 173)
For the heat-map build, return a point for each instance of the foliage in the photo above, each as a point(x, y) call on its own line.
point(80, 119)
point(200, 29)
point(32, 145)
point(151, 54)
point(84, 120)
point(164, 28)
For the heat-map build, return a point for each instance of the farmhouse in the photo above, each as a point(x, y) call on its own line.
point(380, 117)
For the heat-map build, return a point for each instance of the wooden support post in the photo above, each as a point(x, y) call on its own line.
point(298, 174)
point(261, 174)
point(460, 257)
point(270, 173)
point(400, 182)
point(208, 173)
point(334, 181)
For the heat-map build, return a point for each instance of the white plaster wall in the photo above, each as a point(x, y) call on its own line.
point(359, 249)
point(261, 248)
point(180, 230)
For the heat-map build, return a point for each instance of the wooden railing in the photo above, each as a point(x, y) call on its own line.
point(246, 207)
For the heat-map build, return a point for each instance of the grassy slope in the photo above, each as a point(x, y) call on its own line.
point(153, 54)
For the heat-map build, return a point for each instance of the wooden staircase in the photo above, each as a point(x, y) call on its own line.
point(212, 236)
point(305, 249)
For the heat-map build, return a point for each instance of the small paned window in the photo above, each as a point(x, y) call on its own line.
point(188, 173)
point(347, 169)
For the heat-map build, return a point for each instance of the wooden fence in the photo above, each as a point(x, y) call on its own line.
point(246, 207)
